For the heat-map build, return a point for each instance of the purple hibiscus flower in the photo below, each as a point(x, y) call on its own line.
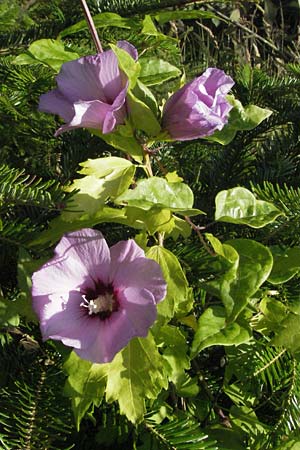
point(199, 108)
point(95, 298)
point(91, 92)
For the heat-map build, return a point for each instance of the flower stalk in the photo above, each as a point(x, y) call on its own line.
point(91, 25)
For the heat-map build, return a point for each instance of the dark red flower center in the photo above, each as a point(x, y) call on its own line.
point(100, 301)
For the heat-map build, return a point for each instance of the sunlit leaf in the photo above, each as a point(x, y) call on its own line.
point(102, 20)
point(240, 119)
point(178, 299)
point(155, 191)
point(244, 265)
point(85, 384)
point(156, 71)
point(238, 205)
point(286, 264)
point(136, 373)
point(214, 330)
point(48, 52)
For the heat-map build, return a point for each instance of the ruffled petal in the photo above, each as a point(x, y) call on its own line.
point(98, 115)
point(88, 249)
point(216, 82)
point(87, 115)
point(140, 274)
point(125, 251)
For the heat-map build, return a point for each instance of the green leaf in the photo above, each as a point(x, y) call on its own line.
point(179, 297)
point(174, 351)
point(141, 116)
point(156, 71)
point(149, 28)
point(121, 140)
point(9, 312)
point(246, 265)
point(181, 228)
point(155, 191)
point(111, 166)
point(287, 334)
point(272, 313)
point(240, 118)
point(106, 179)
point(48, 52)
point(85, 384)
point(145, 95)
point(102, 20)
point(255, 265)
point(167, 16)
point(59, 226)
point(286, 264)
point(152, 221)
point(239, 206)
point(214, 330)
point(127, 64)
point(135, 374)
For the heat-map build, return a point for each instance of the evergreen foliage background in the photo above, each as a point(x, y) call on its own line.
point(257, 43)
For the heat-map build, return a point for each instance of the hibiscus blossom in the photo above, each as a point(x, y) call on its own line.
point(95, 298)
point(91, 92)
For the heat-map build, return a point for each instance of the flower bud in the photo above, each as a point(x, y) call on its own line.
point(199, 108)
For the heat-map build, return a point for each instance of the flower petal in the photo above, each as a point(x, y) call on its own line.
point(60, 274)
point(79, 80)
point(110, 77)
point(87, 248)
point(140, 274)
point(199, 108)
point(54, 102)
point(114, 333)
point(117, 113)
point(123, 252)
point(87, 115)
point(216, 81)
point(125, 45)
point(65, 320)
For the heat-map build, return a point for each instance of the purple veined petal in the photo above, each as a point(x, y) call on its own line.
point(109, 76)
point(79, 80)
point(54, 102)
point(176, 112)
point(140, 274)
point(123, 252)
point(176, 98)
point(59, 275)
point(98, 115)
point(87, 248)
point(62, 318)
point(132, 320)
point(87, 115)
